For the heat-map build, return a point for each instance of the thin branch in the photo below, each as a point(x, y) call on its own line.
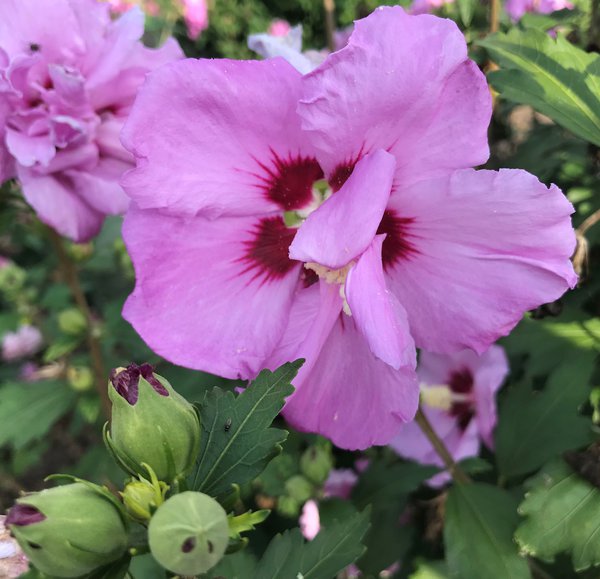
point(329, 6)
point(71, 278)
point(494, 16)
point(588, 222)
point(457, 473)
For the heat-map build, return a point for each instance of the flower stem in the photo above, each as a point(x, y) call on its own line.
point(588, 222)
point(457, 473)
point(494, 15)
point(329, 6)
point(71, 278)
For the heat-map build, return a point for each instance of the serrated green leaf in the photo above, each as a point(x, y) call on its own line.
point(237, 441)
point(552, 75)
point(466, 9)
point(27, 411)
point(478, 531)
point(334, 548)
point(240, 565)
point(563, 515)
point(534, 426)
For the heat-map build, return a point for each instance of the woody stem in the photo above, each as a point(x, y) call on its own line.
point(438, 444)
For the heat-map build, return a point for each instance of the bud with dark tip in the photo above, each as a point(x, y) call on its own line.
point(69, 530)
point(151, 424)
point(189, 533)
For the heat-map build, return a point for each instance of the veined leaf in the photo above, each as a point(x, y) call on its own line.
point(553, 76)
point(27, 411)
point(466, 8)
point(478, 533)
point(334, 548)
point(563, 515)
point(237, 441)
point(534, 426)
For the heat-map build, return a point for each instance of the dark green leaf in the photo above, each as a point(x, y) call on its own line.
point(240, 565)
point(27, 411)
point(480, 522)
point(534, 426)
point(563, 514)
point(553, 76)
point(334, 548)
point(237, 441)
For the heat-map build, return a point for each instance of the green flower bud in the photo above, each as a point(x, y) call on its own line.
point(189, 533)
point(316, 462)
point(142, 497)
point(288, 507)
point(69, 530)
point(72, 322)
point(80, 378)
point(299, 488)
point(151, 424)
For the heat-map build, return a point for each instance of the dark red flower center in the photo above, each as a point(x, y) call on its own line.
point(461, 382)
point(396, 245)
point(289, 182)
point(267, 253)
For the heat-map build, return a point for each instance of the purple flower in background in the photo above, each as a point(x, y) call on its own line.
point(13, 562)
point(68, 77)
point(459, 399)
point(334, 217)
point(426, 6)
point(26, 341)
point(279, 27)
point(516, 9)
point(340, 483)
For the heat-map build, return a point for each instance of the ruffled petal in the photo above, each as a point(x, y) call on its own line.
point(288, 47)
point(210, 295)
point(404, 84)
point(58, 205)
point(478, 250)
point(377, 314)
point(343, 391)
point(229, 140)
point(345, 225)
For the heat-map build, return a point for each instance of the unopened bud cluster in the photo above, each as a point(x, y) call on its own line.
point(154, 435)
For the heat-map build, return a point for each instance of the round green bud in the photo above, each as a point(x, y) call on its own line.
point(72, 322)
point(288, 507)
point(151, 424)
point(69, 530)
point(80, 378)
point(299, 488)
point(189, 533)
point(316, 462)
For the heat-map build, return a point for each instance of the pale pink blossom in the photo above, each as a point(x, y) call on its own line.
point(310, 523)
point(279, 28)
point(26, 341)
point(195, 15)
point(516, 9)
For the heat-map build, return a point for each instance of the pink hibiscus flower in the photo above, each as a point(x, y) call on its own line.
point(26, 341)
point(459, 399)
point(516, 9)
point(68, 77)
point(426, 6)
point(195, 15)
point(245, 257)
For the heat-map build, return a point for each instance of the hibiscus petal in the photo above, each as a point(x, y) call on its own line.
point(484, 247)
point(343, 391)
point(205, 297)
point(404, 84)
point(59, 206)
point(376, 311)
point(26, 22)
point(229, 140)
point(288, 47)
point(344, 226)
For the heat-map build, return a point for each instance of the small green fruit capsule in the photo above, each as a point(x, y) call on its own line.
point(151, 424)
point(69, 530)
point(72, 322)
point(299, 488)
point(316, 462)
point(189, 533)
